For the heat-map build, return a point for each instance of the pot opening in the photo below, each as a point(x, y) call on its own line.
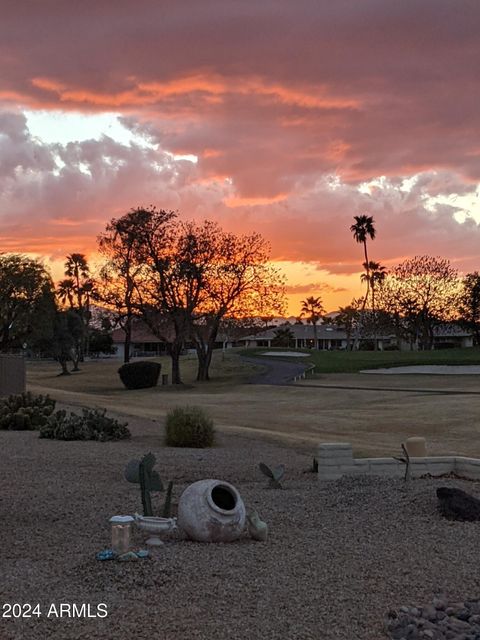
point(223, 498)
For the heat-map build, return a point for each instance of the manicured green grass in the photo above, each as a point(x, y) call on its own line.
point(354, 361)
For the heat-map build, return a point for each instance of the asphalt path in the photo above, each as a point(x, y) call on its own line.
point(277, 371)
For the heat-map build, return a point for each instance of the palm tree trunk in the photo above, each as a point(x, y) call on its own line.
point(368, 274)
point(364, 302)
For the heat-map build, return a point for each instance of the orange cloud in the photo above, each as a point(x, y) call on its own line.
point(289, 108)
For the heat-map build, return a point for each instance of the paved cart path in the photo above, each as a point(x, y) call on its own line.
point(277, 371)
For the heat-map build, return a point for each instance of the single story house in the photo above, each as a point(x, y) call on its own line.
point(330, 337)
point(145, 344)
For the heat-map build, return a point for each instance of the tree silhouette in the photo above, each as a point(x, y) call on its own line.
point(374, 275)
point(469, 304)
point(362, 230)
point(312, 308)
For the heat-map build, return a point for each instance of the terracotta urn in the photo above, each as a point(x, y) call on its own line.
point(211, 511)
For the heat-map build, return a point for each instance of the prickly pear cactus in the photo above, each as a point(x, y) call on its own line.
point(275, 475)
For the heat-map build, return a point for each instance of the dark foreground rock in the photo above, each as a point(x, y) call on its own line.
point(456, 504)
point(441, 620)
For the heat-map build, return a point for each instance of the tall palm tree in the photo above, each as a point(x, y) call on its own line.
point(347, 317)
point(76, 267)
point(313, 308)
point(374, 275)
point(77, 270)
point(362, 230)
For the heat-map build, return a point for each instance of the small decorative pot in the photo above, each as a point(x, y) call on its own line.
point(211, 511)
point(155, 526)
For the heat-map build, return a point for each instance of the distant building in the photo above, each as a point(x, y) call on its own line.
point(331, 337)
point(145, 344)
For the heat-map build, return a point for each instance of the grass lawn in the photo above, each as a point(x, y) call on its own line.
point(374, 415)
point(101, 376)
point(354, 361)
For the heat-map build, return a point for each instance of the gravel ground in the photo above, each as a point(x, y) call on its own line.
point(339, 557)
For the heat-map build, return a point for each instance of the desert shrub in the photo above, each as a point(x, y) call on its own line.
point(189, 427)
point(93, 424)
point(445, 345)
point(366, 345)
point(25, 411)
point(140, 375)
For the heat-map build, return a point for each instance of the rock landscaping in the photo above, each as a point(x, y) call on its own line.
point(440, 620)
point(339, 556)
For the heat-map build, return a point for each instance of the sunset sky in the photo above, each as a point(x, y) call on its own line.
point(282, 117)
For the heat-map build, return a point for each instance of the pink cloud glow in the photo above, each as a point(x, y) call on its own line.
point(288, 107)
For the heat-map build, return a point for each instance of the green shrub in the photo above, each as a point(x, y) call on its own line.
point(140, 375)
point(25, 411)
point(189, 427)
point(93, 424)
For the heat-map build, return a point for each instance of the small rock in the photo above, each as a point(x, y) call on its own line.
point(439, 604)
point(463, 614)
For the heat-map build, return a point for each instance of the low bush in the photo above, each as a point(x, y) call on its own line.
point(140, 375)
point(445, 345)
point(366, 345)
point(25, 411)
point(189, 427)
point(93, 424)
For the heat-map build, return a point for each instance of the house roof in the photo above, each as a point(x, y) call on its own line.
point(452, 329)
point(140, 333)
point(326, 332)
point(305, 331)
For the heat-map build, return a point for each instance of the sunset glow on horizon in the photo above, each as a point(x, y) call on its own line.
point(282, 118)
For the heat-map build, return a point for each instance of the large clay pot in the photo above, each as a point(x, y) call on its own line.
point(211, 511)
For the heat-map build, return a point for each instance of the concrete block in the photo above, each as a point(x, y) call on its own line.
point(389, 470)
point(362, 464)
point(468, 467)
point(383, 461)
point(438, 468)
point(418, 470)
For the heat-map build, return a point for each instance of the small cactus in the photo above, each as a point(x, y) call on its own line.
point(142, 472)
point(275, 475)
point(167, 505)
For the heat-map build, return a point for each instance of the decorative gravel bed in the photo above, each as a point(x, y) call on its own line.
point(339, 558)
point(441, 620)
